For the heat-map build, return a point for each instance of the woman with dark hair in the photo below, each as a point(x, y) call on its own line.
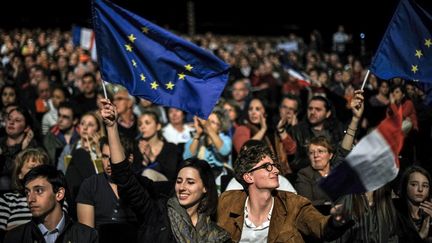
point(184, 217)
point(415, 205)
point(257, 128)
point(19, 136)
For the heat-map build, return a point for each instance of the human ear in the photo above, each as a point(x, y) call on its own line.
point(247, 178)
point(60, 194)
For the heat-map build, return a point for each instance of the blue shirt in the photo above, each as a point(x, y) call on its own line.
point(51, 236)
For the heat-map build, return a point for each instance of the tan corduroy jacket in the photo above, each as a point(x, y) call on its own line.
point(291, 215)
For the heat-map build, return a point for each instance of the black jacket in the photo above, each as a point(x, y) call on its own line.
point(72, 232)
point(152, 214)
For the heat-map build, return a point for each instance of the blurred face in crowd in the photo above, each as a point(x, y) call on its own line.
point(58, 97)
point(15, 124)
point(88, 85)
point(88, 126)
point(384, 89)
point(189, 187)
point(239, 91)
point(27, 166)
point(8, 96)
point(65, 119)
point(288, 108)
point(320, 157)
point(122, 101)
point(317, 112)
point(148, 126)
point(106, 156)
point(215, 123)
point(398, 95)
point(256, 111)
point(418, 188)
point(175, 116)
point(44, 90)
point(410, 89)
point(230, 111)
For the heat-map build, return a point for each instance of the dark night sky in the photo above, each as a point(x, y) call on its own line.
point(223, 16)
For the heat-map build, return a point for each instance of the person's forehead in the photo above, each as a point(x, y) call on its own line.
point(39, 181)
point(316, 103)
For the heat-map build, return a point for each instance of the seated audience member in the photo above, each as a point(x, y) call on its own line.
point(14, 209)
point(415, 205)
point(98, 202)
point(19, 136)
point(45, 189)
point(323, 156)
point(154, 157)
point(263, 214)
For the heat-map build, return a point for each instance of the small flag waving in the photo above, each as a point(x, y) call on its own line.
point(155, 64)
point(406, 48)
point(372, 163)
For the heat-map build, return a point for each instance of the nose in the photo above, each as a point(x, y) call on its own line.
point(30, 197)
point(420, 189)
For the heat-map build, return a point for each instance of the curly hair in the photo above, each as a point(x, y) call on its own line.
point(252, 152)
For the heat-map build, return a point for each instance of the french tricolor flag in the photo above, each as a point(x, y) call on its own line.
point(85, 38)
point(372, 163)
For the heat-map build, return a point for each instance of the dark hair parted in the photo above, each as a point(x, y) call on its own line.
point(208, 203)
point(405, 179)
point(55, 177)
point(252, 152)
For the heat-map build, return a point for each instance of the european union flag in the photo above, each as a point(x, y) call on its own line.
point(155, 64)
point(406, 49)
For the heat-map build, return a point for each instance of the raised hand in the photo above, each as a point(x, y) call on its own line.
point(357, 103)
point(108, 112)
point(27, 139)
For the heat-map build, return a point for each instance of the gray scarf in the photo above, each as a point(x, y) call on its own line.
point(184, 231)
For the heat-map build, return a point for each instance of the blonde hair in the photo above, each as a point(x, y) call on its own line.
point(30, 153)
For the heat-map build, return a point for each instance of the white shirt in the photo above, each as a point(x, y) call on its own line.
point(176, 137)
point(252, 233)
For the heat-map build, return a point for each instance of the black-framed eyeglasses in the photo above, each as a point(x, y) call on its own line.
point(267, 166)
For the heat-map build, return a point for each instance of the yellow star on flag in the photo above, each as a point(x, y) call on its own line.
point(128, 48)
point(188, 67)
point(428, 42)
point(145, 30)
point(134, 63)
point(132, 38)
point(181, 76)
point(170, 85)
point(414, 68)
point(143, 78)
point(154, 85)
point(419, 53)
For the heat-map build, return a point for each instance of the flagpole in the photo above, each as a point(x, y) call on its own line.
point(104, 89)
point(365, 79)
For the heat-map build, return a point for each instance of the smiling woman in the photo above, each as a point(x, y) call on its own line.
point(185, 216)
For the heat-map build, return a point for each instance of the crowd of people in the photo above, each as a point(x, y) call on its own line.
point(76, 166)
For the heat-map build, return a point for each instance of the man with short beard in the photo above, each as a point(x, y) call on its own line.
point(320, 122)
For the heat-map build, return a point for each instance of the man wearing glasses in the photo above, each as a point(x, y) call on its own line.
point(260, 213)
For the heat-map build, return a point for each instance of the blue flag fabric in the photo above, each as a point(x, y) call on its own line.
point(155, 64)
point(406, 48)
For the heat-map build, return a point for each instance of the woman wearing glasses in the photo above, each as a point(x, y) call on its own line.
point(323, 156)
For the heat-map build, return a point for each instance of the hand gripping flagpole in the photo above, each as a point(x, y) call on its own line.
point(365, 79)
point(104, 89)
